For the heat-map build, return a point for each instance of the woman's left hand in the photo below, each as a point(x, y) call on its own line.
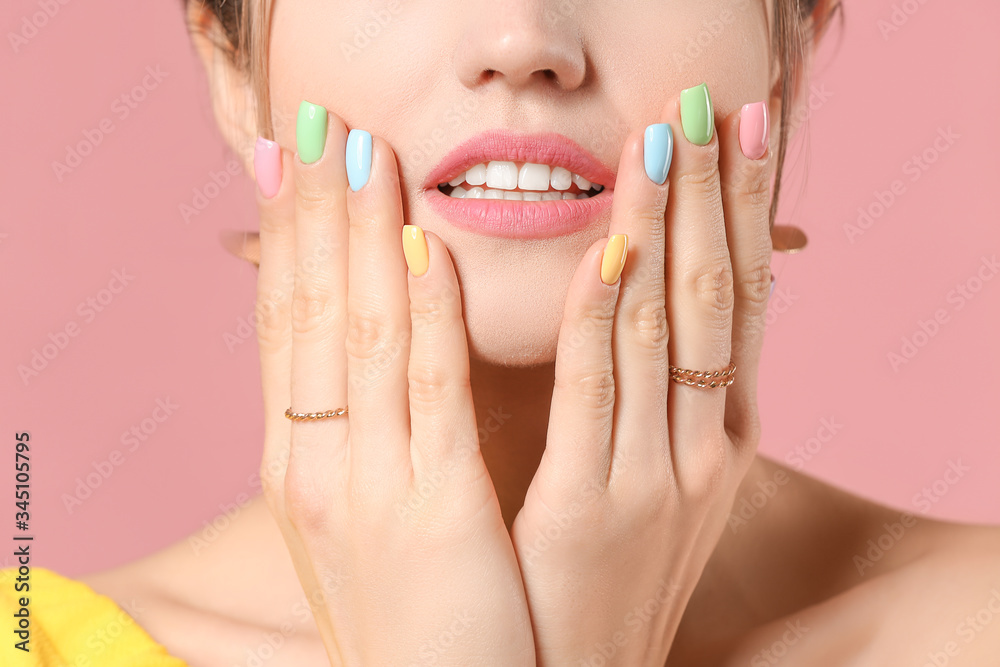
point(640, 472)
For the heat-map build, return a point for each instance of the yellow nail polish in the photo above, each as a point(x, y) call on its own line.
point(415, 249)
point(614, 258)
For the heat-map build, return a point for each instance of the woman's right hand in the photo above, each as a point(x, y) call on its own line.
point(389, 513)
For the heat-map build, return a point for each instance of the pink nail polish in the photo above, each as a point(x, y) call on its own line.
point(267, 166)
point(754, 130)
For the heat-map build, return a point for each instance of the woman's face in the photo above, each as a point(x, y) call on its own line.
point(428, 75)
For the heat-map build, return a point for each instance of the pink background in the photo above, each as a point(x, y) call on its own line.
point(879, 101)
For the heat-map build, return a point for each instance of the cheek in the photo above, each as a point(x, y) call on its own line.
point(721, 42)
point(370, 62)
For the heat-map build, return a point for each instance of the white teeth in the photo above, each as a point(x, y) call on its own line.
point(501, 175)
point(561, 178)
point(534, 177)
point(504, 175)
point(476, 175)
point(477, 192)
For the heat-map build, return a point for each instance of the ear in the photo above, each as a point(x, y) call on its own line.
point(233, 100)
point(814, 28)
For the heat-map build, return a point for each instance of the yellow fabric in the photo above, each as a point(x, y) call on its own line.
point(72, 626)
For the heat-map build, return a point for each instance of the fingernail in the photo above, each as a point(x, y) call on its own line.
point(267, 166)
point(415, 249)
point(310, 132)
point(658, 149)
point(613, 262)
point(697, 116)
point(772, 288)
point(754, 130)
point(359, 158)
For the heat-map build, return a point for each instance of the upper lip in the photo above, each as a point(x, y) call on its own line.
point(549, 148)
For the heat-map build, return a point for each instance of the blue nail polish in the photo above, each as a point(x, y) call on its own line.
point(359, 158)
point(658, 149)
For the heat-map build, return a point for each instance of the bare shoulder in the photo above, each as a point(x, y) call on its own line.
point(220, 596)
point(855, 582)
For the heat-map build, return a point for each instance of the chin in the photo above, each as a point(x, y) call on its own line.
point(494, 340)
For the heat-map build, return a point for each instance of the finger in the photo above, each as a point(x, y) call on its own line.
point(378, 320)
point(746, 166)
point(442, 418)
point(275, 285)
point(318, 313)
point(273, 316)
point(641, 334)
point(578, 444)
point(699, 283)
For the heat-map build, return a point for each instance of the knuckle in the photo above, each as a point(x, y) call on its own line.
point(713, 286)
point(703, 171)
point(649, 321)
point(595, 388)
point(310, 307)
point(433, 312)
point(752, 184)
point(707, 477)
point(430, 388)
point(312, 197)
point(273, 325)
point(306, 504)
point(367, 335)
point(754, 287)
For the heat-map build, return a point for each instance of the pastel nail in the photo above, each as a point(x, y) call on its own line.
point(658, 149)
point(267, 166)
point(310, 132)
point(754, 130)
point(697, 116)
point(613, 261)
point(359, 158)
point(415, 249)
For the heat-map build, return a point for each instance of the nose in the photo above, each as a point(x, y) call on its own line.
point(523, 43)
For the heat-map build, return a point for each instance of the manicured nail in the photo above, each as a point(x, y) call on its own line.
point(415, 249)
point(658, 149)
point(754, 130)
point(359, 158)
point(267, 166)
point(613, 262)
point(697, 116)
point(772, 288)
point(310, 132)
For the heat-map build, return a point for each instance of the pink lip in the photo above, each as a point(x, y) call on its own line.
point(520, 219)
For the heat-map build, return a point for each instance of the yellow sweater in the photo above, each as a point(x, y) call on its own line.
point(70, 625)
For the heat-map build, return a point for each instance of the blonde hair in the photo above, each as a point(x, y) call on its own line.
point(246, 41)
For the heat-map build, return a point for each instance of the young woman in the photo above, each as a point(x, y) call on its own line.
point(513, 273)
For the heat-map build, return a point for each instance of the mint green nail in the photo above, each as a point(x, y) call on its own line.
point(310, 132)
point(697, 116)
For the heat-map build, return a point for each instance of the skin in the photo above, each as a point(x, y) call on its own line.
point(669, 462)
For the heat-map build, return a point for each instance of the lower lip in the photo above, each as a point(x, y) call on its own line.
point(520, 219)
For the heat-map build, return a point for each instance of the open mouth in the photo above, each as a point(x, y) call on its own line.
point(524, 181)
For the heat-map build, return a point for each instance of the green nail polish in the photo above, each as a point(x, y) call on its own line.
point(310, 132)
point(697, 117)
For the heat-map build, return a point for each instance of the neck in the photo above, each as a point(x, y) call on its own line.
point(512, 410)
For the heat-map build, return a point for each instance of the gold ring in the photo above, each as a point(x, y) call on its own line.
point(699, 378)
point(301, 416)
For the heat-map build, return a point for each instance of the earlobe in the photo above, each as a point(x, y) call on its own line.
point(231, 92)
